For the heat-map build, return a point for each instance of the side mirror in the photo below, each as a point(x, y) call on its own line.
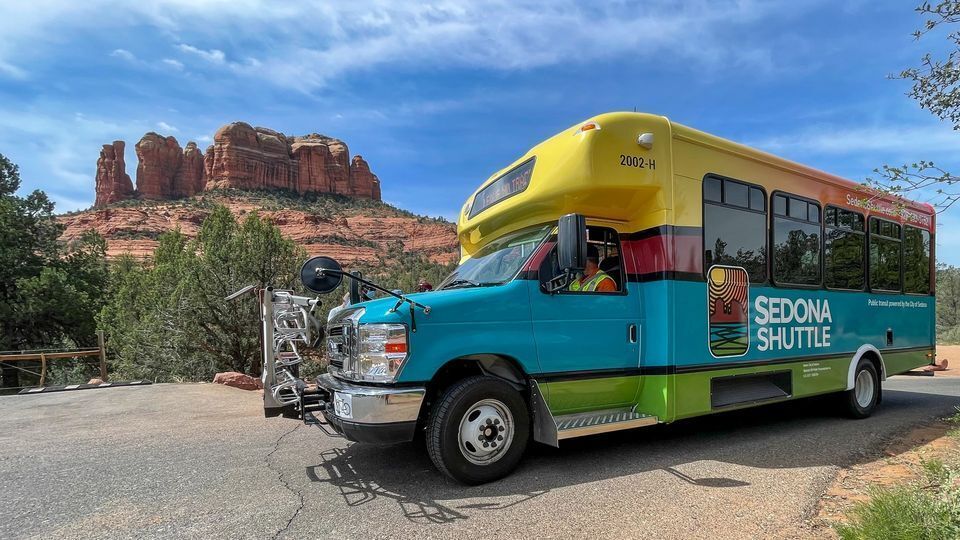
point(572, 243)
point(314, 275)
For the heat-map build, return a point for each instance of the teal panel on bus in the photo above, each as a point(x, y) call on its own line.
point(786, 323)
point(462, 322)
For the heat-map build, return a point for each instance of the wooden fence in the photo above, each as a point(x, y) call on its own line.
point(45, 356)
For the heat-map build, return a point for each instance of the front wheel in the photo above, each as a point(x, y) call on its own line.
point(862, 399)
point(478, 430)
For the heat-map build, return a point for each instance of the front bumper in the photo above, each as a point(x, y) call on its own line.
point(371, 414)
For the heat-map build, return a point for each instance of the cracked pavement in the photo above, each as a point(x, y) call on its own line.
point(280, 477)
point(199, 460)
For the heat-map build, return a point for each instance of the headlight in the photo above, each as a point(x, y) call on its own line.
point(382, 352)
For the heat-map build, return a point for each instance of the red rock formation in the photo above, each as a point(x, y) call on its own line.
point(364, 183)
point(335, 174)
point(339, 169)
point(312, 158)
point(189, 180)
point(245, 157)
point(112, 182)
point(160, 159)
point(241, 157)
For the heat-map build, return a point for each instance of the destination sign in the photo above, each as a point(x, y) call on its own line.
point(509, 184)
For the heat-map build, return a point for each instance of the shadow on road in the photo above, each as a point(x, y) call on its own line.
point(803, 433)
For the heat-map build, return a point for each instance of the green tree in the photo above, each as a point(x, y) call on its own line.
point(401, 269)
point(167, 318)
point(948, 304)
point(936, 87)
point(49, 292)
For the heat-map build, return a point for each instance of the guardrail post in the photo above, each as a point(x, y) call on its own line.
point(103, 356)
point(43, 369)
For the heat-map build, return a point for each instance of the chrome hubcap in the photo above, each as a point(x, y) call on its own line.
point(486, 431)
point(863, 388)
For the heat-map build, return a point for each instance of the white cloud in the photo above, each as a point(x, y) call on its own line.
point(66, 203)
point(124, 54)
point(830, 139)
point(167, 127)
point(203, 138)
point(61, 155)
point(214, 56)
point(307, 44)
point(12, 71)
point(175, 64)
point(527, 34)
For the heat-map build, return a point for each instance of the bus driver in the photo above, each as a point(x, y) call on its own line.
point(593, 279)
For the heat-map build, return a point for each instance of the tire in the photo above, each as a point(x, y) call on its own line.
point(866, 385)
point(478, 430)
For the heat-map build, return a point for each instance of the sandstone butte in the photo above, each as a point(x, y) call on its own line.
point(244, 158)
point(241, 157)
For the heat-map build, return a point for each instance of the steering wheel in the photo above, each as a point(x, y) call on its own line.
point(556, 283)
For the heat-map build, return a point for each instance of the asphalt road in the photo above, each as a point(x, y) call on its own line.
point(200, 461)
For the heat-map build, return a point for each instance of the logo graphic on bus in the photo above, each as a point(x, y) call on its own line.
point(728, 294)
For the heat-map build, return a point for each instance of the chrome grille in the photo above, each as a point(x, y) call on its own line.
point(340, 343)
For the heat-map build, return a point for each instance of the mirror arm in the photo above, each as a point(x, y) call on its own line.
point(401, 298)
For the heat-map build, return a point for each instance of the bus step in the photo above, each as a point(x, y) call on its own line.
point(590, 423)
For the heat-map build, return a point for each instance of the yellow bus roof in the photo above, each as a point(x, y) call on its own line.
point(637, 170)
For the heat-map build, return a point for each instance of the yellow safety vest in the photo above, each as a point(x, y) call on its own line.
point(591, 284)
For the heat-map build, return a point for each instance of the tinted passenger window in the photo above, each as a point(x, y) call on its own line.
point(757, 199)
point(916, 260)
point(736, 194)
point(713, 189)
point(734, 227)
point(845, 239)
point(796, 241)
point(884, 255)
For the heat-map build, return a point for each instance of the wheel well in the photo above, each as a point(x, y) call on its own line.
point(871, 354)
point(874, 359)
point(494, 365)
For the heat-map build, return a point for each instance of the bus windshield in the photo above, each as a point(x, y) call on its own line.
point(497, 262)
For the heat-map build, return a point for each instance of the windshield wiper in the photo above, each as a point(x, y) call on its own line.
point(457, 283)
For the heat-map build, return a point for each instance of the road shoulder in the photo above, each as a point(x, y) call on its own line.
point(899, 463)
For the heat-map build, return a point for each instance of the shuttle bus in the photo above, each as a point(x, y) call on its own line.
point(734, 278)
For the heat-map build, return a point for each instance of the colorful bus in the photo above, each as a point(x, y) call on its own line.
point(738, 279)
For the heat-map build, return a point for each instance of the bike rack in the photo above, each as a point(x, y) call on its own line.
point(288, 326)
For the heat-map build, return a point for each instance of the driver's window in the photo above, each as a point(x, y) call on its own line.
point(604, 272)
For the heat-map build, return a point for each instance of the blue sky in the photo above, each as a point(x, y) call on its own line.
point(437, 96)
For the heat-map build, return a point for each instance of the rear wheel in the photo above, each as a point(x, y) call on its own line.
point(862, 399)
point(478, 430)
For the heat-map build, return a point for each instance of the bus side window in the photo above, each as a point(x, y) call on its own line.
point(885, 255)
point(844, 248)
point(916, 260)
point(796, 241)
point(735, 226)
